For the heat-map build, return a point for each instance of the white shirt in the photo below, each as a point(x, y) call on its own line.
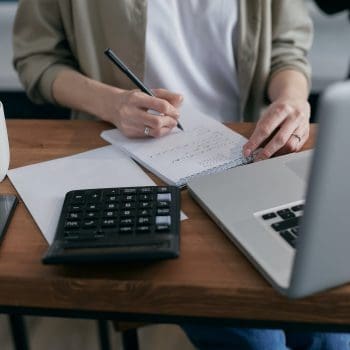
point(190, 50)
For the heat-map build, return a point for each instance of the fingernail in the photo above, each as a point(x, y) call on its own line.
point(247, 152)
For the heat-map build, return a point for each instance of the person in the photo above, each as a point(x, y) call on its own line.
point(228, 58)
point(234, 60)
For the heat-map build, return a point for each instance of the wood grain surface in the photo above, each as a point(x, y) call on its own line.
point(210, 279)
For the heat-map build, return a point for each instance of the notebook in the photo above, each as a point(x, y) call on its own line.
point(204, 147)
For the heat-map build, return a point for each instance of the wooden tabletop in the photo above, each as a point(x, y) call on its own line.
point(211, 278)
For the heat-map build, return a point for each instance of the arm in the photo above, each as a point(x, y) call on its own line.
point(284, 126)
point(124, 108)
point(50, 72)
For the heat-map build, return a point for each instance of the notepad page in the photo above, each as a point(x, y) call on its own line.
point(205, 146)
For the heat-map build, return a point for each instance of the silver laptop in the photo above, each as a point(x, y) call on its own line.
point(290, 215)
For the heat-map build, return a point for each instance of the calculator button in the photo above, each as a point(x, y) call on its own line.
point(76, 208)
point(112, 206)
point(145, 197)
point(92, 207)
point(163, 204)
point(143, 229)
point(145, 212)
point(164, 197)
point(78, 198)
point(91, 214)
point(146, 190)
point(110, 192)
point(73, 216)
point(89, 223)
point(163, 220)
point(126, 222)
point(129, 190)
point(144, 220)
point(94, 196)
point(128, 205)
point(163, 211)
point(163, 189)
point(71, 236)
point(109, 223)
point(145, 205)
point(71, 225)
point(129, 198)
point(162, 228)
point(112, 198)
point(110, 214)
point(126, 230)
point(127, 213)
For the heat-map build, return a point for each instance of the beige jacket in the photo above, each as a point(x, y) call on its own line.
point(50, 35)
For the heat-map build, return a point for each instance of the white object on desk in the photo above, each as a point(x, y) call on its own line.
point(4, 146)
point(205, 146)
point(43, 186)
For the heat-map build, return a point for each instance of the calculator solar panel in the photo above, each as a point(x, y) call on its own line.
point(117, 224)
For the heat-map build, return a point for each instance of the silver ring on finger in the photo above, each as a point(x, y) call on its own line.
point(297, 137)
point(146, 131)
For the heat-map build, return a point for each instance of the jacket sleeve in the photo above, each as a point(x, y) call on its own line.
point(41, 48)
point(292, 33)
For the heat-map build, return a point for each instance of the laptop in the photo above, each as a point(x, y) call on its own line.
point(290, 215)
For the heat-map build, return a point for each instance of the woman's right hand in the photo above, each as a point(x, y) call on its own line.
point(131, 111)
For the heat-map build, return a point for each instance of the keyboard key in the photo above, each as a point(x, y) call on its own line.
point(285, 214)
point(299, 207)
point(290, 238)
point(285, 225)
point(295, 231)
point(269, 216)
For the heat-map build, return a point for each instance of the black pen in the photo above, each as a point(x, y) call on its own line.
point(121, 65)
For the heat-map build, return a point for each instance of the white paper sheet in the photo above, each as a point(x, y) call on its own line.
point(205, 146)
point(43, 186)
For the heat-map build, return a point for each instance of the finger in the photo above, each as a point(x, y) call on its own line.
point(293, 144)
point(279, 140)
point(264, 128)
point(173, 98)
point(159, 105)
point(159, 132)
point(158, 122)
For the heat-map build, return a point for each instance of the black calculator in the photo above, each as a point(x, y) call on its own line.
point(117, 224)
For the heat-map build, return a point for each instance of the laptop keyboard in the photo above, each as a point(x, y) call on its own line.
point(285, 222)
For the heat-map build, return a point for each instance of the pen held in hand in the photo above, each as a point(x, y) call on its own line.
point(121, 65)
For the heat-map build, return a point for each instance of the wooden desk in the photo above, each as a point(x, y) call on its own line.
point(210, 281)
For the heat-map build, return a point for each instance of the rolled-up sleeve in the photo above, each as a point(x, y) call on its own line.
point(292, 33)
point(41, 48)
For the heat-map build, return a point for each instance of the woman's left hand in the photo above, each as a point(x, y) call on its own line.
point(283, 128)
